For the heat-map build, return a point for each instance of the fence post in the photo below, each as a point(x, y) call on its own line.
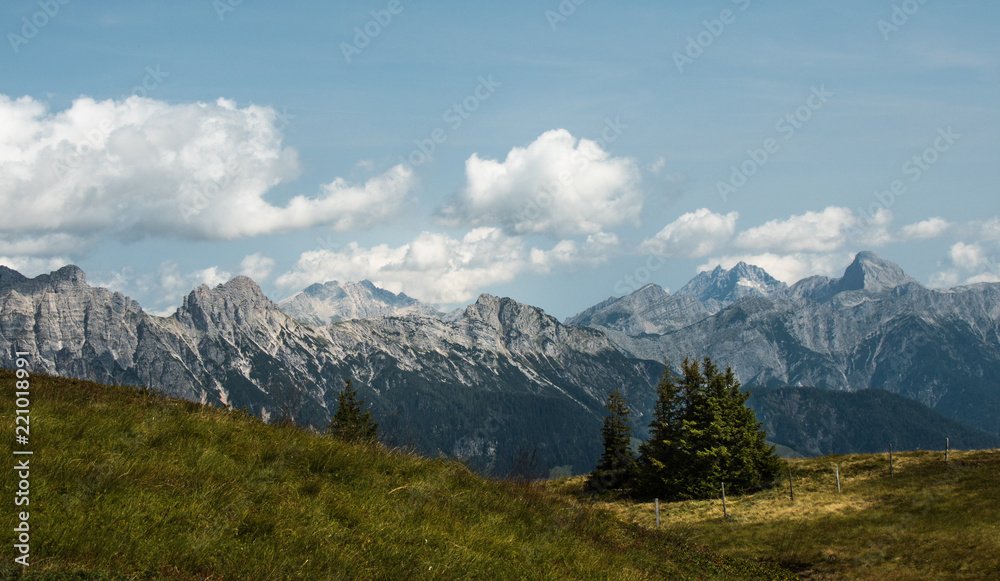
point(947, 448)
point(837, 470)
point(725, 512)
point(657, 501)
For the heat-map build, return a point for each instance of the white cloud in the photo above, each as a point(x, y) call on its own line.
point(434, 268)
point(658, 164)
point(554, 185)
point(788, 268)
point(810, 232)
point(984, 277)
point(596, 250)
point(31, 266)
point(967, 256)
point(930, 228)
point(257, 266)
point(140, 167)
point(694, 234)
point(945, 279)
point(990, 230)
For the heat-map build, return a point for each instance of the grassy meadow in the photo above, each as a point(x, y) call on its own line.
point(930, 520)
point(126, 484)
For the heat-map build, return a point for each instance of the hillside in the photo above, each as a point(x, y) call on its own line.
point(930, 520)
point(816, 422)
point(136, 486)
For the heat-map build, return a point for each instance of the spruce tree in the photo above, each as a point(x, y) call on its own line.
point(350, 422)
point(617, 466)
point(703, 434)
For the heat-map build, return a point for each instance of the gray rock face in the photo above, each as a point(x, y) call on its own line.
point(501, 379)
point(873, 328)
point(333, 302)
point(649, 310)
point(720, 288)
point(869, 272)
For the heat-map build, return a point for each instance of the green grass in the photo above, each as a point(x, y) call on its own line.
point(931, 520)
point(128, 485)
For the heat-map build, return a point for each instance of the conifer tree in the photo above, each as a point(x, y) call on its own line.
point(703, 434)
point(350, 422)
point(617, 466)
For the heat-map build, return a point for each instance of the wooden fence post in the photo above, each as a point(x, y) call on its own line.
point(837, 470)
point(657, 501)
point(725, 513)
point(947, 448)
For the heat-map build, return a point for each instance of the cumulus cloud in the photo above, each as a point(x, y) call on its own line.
point(434, 267)
point(32, 266)
point(141, 167)
point(257, 266)
point(693, 235)
point(967, 256)
point(596, 250)
point(810, 232)
point(557, 184)
point(930, 228)
point(788, 268)
point(969, 262)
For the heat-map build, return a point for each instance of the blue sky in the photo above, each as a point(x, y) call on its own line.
point(579, 150)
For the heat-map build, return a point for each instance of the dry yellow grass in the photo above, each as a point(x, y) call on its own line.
point(930, 520)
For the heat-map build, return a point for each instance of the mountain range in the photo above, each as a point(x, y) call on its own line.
point(874, 327)
point(499, 380)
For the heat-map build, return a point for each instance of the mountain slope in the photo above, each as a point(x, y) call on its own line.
point(502, 380)
point(147, 487)
point(818, 422)
point(649, 310)
point(333, 302)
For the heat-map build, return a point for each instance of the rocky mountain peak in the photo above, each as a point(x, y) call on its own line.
point(333, 302)
point(871, 272)
point(722, 287)
point(868, 272)
point(67, 277)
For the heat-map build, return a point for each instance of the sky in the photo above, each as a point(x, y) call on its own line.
point(556, 152)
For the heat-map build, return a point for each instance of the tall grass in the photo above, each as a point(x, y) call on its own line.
point(135, 486)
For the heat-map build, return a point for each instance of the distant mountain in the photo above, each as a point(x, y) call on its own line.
point(333, 302)
point(816, 422)
point(720, 288)
point(875, 327)
point(501, 380)
point(869, 272)
point(649, 310)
